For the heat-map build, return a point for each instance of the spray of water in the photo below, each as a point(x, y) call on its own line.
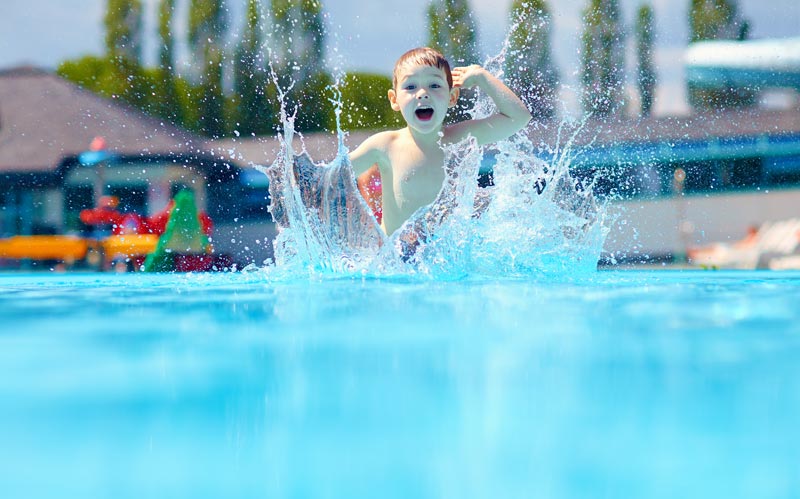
point(536, 220)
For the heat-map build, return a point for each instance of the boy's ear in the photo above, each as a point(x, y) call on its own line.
point(393, 99)
point(454, 93)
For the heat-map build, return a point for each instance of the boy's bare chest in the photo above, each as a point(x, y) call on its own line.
point(417, 176)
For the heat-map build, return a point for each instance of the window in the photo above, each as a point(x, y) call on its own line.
point(700, 176)
point(244, 199)
point(132, 198)
point(76, 198)
point(743, 173)
point(782, 170)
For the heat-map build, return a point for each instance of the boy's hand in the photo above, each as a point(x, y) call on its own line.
point(468, 76)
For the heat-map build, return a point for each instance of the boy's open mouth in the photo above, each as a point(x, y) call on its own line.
point(424, 113)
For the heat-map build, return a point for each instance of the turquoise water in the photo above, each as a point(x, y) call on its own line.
point(646, 384)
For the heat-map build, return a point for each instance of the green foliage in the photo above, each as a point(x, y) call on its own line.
point(90, 72)
point(715, 20)
point(251, 111)
point(200, 103)
point(365, 103)
point(646, 74)
point(137, 86)
point(299, 33)
point(529, 68)
point(452, 31)
point(123, 76)
point(207, 26)
point(189, 97)
point(167, 105)
point(299, 47)
point(123, 24)
point(212, 100)
point(166, 57)
point(116, 79)
point(602, 58)
point(312, 99)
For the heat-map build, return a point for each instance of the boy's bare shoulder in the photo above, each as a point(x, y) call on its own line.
point(373, 150)
point(384, 138)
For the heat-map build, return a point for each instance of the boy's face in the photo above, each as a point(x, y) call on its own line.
point(422, 96)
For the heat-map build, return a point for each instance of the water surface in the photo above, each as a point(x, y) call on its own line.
point(618, 384)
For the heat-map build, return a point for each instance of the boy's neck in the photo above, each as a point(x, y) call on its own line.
point(425, 140)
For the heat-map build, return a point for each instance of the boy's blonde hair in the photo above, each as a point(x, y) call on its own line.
point(422, 56)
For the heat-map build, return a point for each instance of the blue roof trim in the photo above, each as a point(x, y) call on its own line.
point(92, 158)
point(713, 149)
point(716, 77)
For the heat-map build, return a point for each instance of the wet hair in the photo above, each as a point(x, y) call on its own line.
point(422, 56)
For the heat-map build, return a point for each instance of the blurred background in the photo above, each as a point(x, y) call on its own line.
point(689, 112)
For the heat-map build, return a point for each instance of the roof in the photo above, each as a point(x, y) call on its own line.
point(45, 118)
point(748, 125)
point(321, 146)
point(728, 124)
point(729, 134)
point(775, 54)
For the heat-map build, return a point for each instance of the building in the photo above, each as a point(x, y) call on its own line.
point(681, 182)
point(678, 182)
point(47, 177)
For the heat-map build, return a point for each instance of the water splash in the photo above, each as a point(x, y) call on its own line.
point(536, 220)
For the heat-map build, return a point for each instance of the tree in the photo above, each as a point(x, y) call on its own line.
point(123, 37)
point(717, 20)
point(96, 74)
point(365, 104)
point(529, 68)
point(120, 75)
point(299, 36)
point(452, 31)
point(646, 75)
point(123, 24)
point(602, 58)
point(168, 104)
point(207, 26)
point(101, 75)
point(252, 113)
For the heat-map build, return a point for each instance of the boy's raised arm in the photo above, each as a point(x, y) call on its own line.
point(511, 116)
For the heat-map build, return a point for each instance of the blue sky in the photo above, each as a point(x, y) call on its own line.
point(370, 35)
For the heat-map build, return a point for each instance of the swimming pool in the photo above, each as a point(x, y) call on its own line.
point(643, 384)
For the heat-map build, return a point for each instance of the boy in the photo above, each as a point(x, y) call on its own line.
point(411, 160)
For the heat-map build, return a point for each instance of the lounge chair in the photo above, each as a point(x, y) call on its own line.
point(773, 240)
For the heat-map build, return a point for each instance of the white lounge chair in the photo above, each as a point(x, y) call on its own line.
point(773, 240)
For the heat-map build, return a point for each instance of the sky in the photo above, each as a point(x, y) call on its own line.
point(371, 35)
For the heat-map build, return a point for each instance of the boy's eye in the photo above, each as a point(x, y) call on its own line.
point(410, 87)
point(436, 85)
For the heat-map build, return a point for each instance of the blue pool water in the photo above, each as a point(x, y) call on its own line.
point(645, 384)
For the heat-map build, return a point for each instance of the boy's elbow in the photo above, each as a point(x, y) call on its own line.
point(526, 114)
point(524, 118)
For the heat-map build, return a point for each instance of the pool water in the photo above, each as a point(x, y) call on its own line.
point(645, 384)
